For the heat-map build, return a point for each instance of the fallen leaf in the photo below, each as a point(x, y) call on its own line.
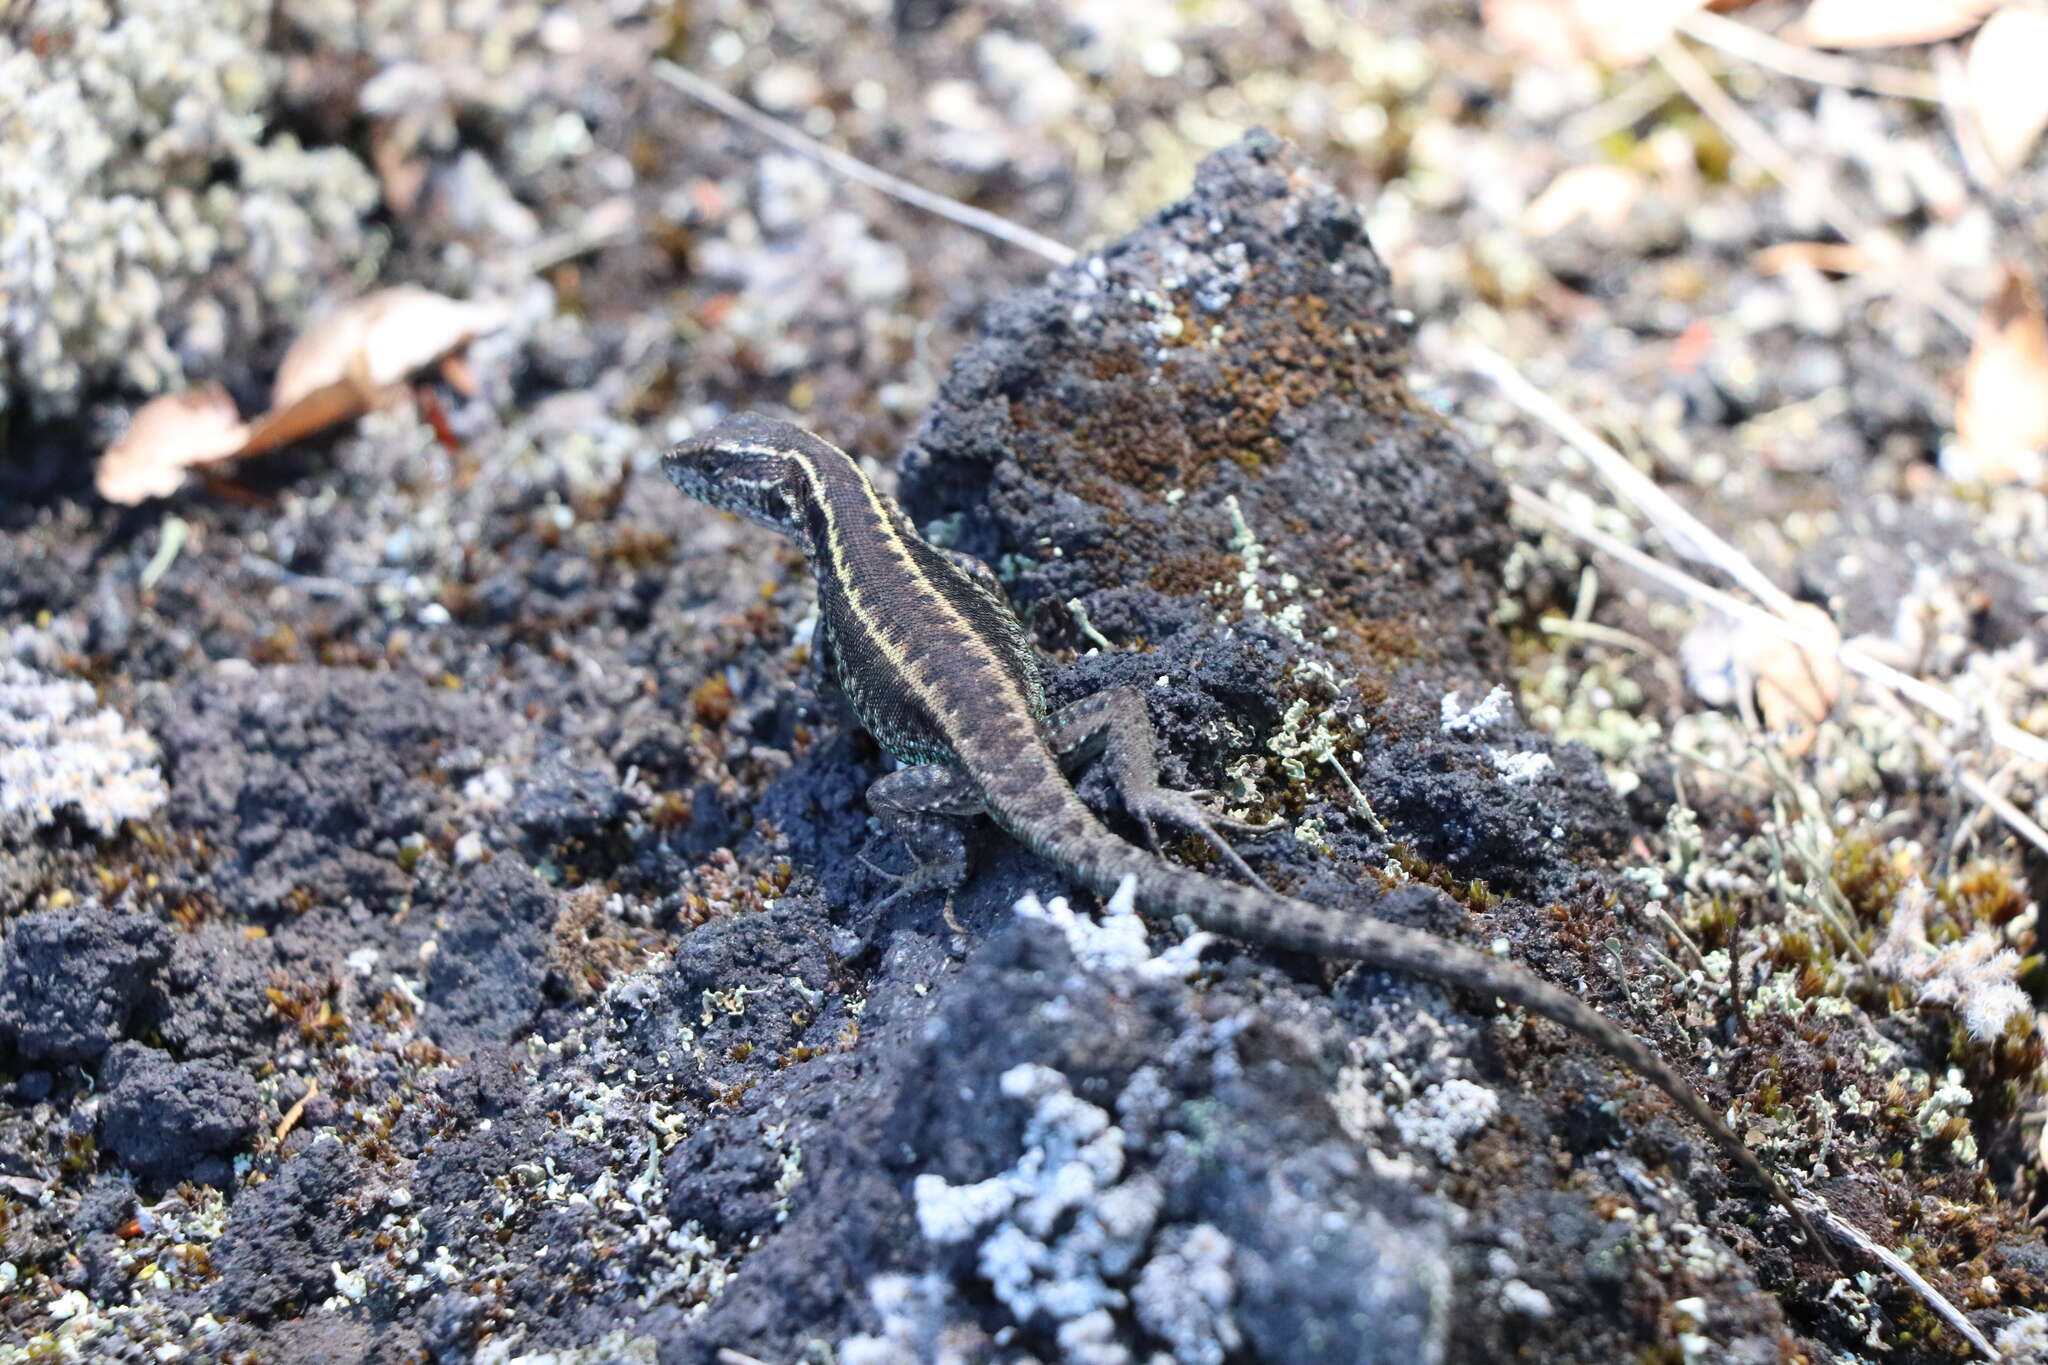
point(1887, 23)
point(1602, 194)
point(2003, 78)
point(350, 361)
point(2002, 416)
point(167, 436)
point(378, 340)
point(1795, 685)
point(1618, 33)
point(324, 407)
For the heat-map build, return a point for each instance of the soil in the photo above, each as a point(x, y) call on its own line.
point(507, 975)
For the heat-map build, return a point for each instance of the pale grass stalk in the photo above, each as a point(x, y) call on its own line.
point(1849, 1235)
point(896, 187)
point(1922, 693)
point(1755, 142)
point(1807, 64)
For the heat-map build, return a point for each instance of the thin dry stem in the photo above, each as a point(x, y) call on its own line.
point(1992, 799)
point(1853, 1237)
point(1807, 64)
point(1755, 141)
point(1687, 532)
point(746, 115)
point(1922, 693)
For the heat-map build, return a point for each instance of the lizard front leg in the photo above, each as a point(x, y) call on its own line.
point(923, 806)
point(1114, 726)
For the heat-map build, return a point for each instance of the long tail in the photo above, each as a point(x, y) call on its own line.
point(1279, 921)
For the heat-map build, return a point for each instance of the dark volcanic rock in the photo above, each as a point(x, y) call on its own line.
point(212, 1001)
point(1243, 345)
point(313, 775)
point(284, 1236)
point(564, 799)
point(484, 986)
point(1204, 434)
point(161, 1117)
point(72, 981)
point(1220, 1137)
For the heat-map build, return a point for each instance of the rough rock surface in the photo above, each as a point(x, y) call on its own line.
point(161, 1117)
point(314, 777)
point(547, 924)
point(72, 981)
point(483, 985)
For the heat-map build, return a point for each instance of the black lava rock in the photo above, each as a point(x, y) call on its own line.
point(484, 986)
point(161, 1117)
point(72, 981)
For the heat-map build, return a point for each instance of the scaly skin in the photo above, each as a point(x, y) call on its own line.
point(939, 670)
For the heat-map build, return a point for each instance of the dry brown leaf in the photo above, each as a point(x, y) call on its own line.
point(166, 436)
point(1603, 195)
point(1888, 23)
point(1616, 32)
point(346, 363)
point(1796, 687)
point(2002, 416)
point(2004, 78)
point(338, 370)
point(324, 407)
point(379, 339)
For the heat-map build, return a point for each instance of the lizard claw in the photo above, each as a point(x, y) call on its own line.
point(1202, 797)
point(924, 877)
point(1183, 811)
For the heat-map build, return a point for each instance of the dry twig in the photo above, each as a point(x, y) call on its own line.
point(1853, 1237)
point(1807, 64)
point(747, 116)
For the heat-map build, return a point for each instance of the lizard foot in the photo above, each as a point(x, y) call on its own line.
point(939, 874)
point(1183, 810)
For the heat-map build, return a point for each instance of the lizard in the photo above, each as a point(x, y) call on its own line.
point(936, 666)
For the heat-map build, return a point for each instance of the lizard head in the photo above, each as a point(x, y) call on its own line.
point(745, 465)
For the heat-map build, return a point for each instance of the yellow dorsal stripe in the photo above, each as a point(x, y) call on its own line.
point(852, 586)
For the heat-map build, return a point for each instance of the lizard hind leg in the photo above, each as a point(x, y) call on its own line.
point(923, 807)
point(1113, 725)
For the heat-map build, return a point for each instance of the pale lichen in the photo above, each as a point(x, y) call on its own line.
point(60, 750)
point(127, 258)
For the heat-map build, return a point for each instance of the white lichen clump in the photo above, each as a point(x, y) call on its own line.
point(1975, 977)
point(1495, 709)
point(58, 749)
point(2024, 1340)
point(1069, 1239)
point(1443, 1116)
point(1115, 945)
point(144, 219)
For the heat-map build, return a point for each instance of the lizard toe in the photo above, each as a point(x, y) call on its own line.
point(1183, 811)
